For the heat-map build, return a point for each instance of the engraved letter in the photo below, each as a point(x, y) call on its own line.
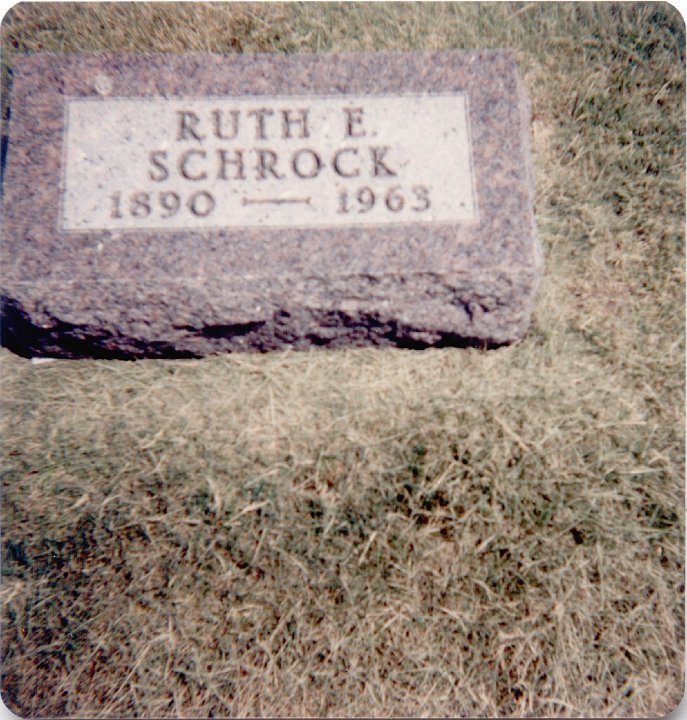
point(236, 161)
point(217, 124)
point(267, 159)
point(315, 165)
point(188, 121)
point(380, 168)
point(156, 159)
point(301, 121)
point(354, 116)
point(260, 115)
point(354, 172)
point(183, 165)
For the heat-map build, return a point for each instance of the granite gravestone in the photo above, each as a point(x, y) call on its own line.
point(176, 206)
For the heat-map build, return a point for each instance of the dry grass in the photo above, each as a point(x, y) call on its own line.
point(381, 532)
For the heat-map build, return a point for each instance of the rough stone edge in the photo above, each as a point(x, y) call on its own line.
point(455, 309)
point(538, 264)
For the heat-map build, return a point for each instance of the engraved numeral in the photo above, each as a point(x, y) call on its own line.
point(140, 205)
point(394, 200)
point(163, 205)
point(170, 203)
point(364, 199)
point(201, 204)
point(422, 195)
point(116, 205)
point(343, 202)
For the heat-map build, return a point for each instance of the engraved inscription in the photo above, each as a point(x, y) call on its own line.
point(140, 163)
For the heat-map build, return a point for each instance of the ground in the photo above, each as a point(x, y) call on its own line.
point(450, 532)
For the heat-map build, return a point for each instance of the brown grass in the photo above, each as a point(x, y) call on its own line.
point(381, 532)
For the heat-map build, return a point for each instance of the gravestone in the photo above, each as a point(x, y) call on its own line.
point(177, 206)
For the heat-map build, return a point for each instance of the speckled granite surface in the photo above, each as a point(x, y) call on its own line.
point(106, 293)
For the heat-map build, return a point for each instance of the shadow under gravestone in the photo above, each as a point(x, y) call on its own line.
point(159, 206)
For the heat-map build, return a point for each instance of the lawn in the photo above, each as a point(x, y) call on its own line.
point(377, 532)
